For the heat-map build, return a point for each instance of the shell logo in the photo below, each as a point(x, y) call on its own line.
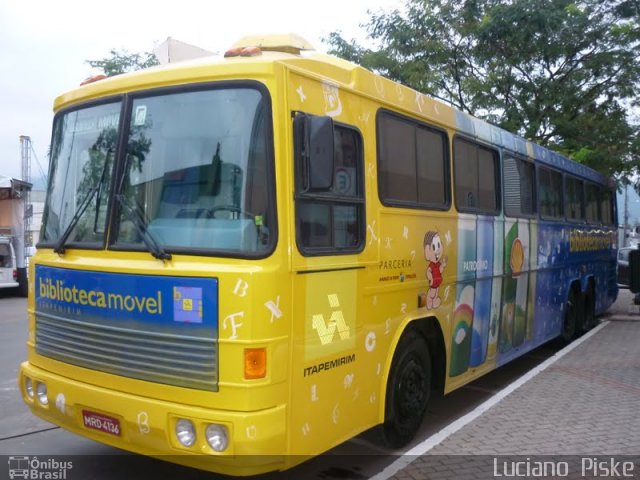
point(517, 257)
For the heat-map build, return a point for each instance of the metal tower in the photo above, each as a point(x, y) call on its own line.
point(25, 156)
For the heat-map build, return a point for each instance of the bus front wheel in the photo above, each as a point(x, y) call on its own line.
point(408, 390)
point(22, 289)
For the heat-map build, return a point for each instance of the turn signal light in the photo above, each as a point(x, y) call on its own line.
point(255, 363)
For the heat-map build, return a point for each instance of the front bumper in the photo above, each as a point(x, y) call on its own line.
point(257, 439)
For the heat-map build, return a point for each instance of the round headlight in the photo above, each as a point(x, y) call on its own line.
point(28, 387)
point(217, 437)
point(186, 432)
point(41, 391)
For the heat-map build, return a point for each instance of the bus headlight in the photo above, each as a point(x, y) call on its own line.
point(28, 387)
point(186, 432)
point(41, 392)
point(217, 436)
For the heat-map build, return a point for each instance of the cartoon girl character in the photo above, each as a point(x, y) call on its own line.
point(437, 262)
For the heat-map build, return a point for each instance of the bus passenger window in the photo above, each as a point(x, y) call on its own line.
point(550, 192)
point(575, 198)
point(592, 208)
point(606, 206)
point(475, 176)
point(412, 163)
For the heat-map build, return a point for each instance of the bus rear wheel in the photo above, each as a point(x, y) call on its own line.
point(408, 390)
point(589, 316)
point(571, 316)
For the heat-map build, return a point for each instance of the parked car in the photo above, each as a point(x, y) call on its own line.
point(8, 270)
point(624, 278)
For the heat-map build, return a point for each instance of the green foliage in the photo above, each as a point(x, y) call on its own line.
point(562, 73)
point(122, 61)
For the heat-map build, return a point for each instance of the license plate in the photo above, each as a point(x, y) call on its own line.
point(100, 422)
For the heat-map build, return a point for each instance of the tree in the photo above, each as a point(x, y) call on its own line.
point(562, 73)
point(122, 61)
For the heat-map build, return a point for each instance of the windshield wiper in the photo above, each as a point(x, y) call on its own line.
point(59, 246)
point(140, 225)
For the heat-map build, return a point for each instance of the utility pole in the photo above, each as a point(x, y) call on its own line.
point(25, 158)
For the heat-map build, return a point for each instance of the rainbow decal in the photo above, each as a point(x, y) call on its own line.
point(461, 340)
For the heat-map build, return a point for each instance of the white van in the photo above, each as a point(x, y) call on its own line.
point(8, 268)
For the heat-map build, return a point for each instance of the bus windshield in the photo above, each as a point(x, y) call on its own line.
point(193, 175)
point(82, 153)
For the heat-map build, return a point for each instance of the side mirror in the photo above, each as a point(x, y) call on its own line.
point(314, 151)
point(634, 271)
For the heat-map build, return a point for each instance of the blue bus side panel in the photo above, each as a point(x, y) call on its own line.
point(553, 271)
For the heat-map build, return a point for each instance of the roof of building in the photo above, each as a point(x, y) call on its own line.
point(8, 182)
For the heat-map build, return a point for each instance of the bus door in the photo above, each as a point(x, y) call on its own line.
point(330, 233)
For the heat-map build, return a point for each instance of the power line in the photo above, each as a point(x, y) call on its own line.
point(33, 152)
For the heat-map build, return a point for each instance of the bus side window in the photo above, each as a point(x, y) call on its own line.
point(606, 206)
point(551, 193)
point(413, 161)
point(592, 208)
point(329, 205)
point(574, 198)
point(475, 170)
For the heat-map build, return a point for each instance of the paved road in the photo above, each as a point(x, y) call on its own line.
point(581, 410)
point(21, 433)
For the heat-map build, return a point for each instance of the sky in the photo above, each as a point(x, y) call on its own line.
point(44, 46)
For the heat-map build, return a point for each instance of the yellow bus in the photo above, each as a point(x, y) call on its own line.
point(246, 260)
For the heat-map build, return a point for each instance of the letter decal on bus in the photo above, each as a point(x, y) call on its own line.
point(143, 423)
point(335, 414)
point(370, 229)
point(333, 105)
point(274, 308)
point(241, 288)
point(230, 322)
point(327, 331)
point(300, 92)
point(370, 342)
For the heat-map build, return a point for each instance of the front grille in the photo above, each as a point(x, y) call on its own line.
point(171, 359)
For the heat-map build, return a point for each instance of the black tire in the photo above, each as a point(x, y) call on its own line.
point(589, 310)
point(571, 316)
point(408, 390)
point(22, 290)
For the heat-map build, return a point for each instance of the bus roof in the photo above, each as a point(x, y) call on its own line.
point(287, 50)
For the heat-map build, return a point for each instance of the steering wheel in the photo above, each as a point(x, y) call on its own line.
point(228, 208)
